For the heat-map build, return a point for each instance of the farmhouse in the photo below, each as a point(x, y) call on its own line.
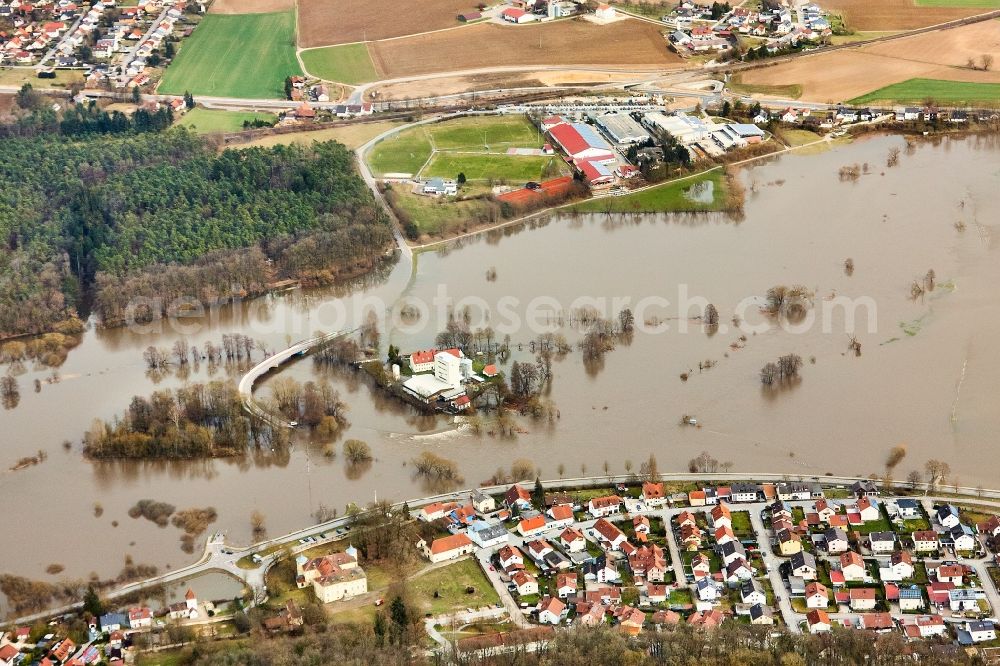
point(447, 548)
point(333, 577)
point(516, 15)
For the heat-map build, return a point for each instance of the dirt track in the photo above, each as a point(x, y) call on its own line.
point(250, 6)
point(572, 42)
point(323, 22)
point(894, 14)
point(842, 75)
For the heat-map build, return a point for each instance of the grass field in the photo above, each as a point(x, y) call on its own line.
point(204, 121)
point(246, 56)
point(671, 197)
point(496, 167)
point(498, 133)
point(433, 215)
point(915, 91)
point(351, 136)
point(16, 77)
point(405, 152)
point(350, 63)
point(450, 583)
point(791, 91)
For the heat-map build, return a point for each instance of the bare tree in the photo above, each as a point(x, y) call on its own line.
point(768, 374)
point(711, 315)
point(893, 158)
point(986, 60)
point(257, 525)
point(937, 471)
point(913, 478)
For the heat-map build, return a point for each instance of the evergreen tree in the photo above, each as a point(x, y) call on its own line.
point(92, 602)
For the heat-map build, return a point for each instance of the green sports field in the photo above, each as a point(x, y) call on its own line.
point(204, 121)
point(349, 63)
point(457, 146)
point(916, 91)
point(405, 152)
point(246, 55)
point(510, 168)
point(498, 132)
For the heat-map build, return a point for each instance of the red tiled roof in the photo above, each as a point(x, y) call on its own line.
point(449, 543)
point(529, 524)
point(561, 512)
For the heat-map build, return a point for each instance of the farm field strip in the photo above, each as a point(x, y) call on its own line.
point(245, 55)
point(915, 91)
point(324, 23)
point(347, 63)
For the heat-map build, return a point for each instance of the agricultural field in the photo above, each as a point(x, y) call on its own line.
point(322, 23)
point(247, 55)
point(249, 6)
point(705, 192)
point(352, 135)
point(843, 75)
point(494, 167)
point(904, 14)
point(567, 42)
point(349, 63)
point(204, 121)
point(915, 91)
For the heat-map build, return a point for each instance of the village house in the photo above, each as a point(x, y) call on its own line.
point(835, 540)
point(435, 511)
point(447, 548)
point(752, 593)
point(573, 540)
point(925, 626)
point(863, 598)
point(604, 506)
point(656, 593)
point(700, 565)
point(817, 595)
point(696, 498)
point(140, 618)
point(979, 632)
point(803, 565)
point(601, 570)
point(867, 508)
point(732, 551)
point(529, 527)
point(818, 621)
point(721, 516)
point(640, 525)
point(184, 610)
point(630, 620)
point(961, 537)
point(333, 577)
point(736, 572)
point(609, 536)
point(904, 508)
point(706, 589)
point(653, 495)
point(878, 622)
point(761, 614)
point(538, 549)
point(482, 502)
point(962, 599)
point(910, 598)
point(925, 541)
point(789, 543)
point(900, 567)
point(947, 515)
point(561, 516)
point(824, 509)
point(649, 562)
point(706, 619)
point(990, 527)
point(517, 497)
point(525, 583)
point(550, 610)
point(566, 585)
point(744, 492)
point(937, 592)
point(724, 535)
point(852, 567)
point(950, 573)
point(510, 558)
point(789, 492)
point(882, 542)
point(685, 518)
point(485, 535)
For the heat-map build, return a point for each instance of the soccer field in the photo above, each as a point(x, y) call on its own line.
point(493, 134)
point(511, 168)
point(916, 91)
point(245, 56)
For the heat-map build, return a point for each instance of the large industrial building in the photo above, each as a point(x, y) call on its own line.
point(686, 129)
point(622, 128)
point(580, 142)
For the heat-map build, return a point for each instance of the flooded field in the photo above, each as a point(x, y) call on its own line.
point(925, 376)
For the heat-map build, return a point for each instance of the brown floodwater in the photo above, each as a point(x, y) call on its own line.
point(926, 376)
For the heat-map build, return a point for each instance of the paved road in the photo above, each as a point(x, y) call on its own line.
point(772, 564)
point(458, 620)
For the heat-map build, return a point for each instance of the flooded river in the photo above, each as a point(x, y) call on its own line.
point(926, 376)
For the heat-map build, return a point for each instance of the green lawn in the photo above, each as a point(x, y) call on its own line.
point(485, 133)
point(433, 215)
point(204, 121)
point(916, 91)
point(348, 63)
point(741, 523)
point(791, 91)
point(511, 168)
point(670, 197)
point(405, 152)
point(450, 583)
point(246, 55)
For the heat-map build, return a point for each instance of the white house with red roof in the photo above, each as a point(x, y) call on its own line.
point(561, 516)
point(550, 610)
point(573, 540)
point(608, 535)
point(447, 548)
point(516, 15)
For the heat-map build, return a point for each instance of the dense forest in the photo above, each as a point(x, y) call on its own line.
point(156, 216)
